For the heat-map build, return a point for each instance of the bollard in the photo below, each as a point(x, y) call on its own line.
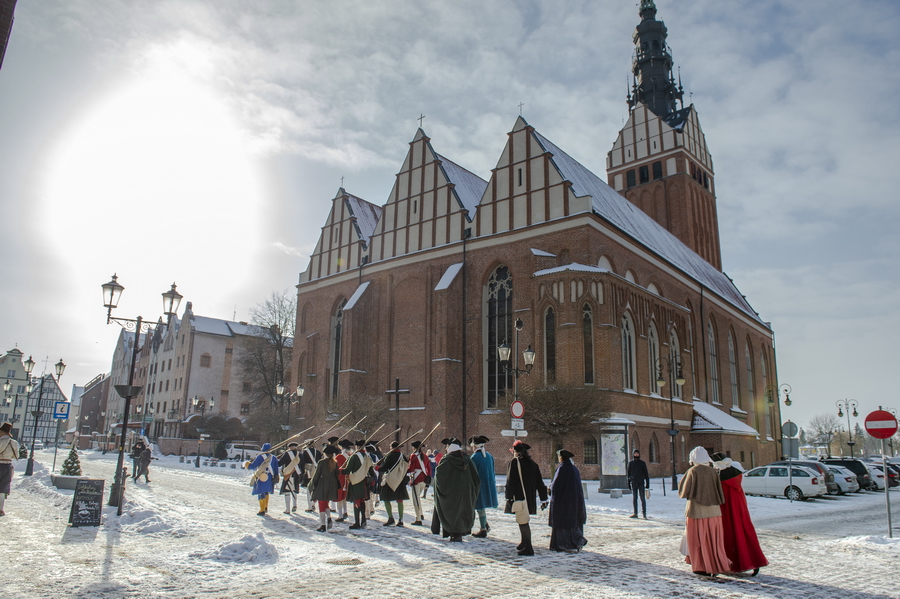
point(615, 493)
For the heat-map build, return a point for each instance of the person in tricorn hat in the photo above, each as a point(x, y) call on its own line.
point(741, 542)
point(435, 521)
point(309, 457)
point(291, 476)
point(9, 451)
point(567, 510)
point(341, 459)
point(323, 487)
point(393, 468)
point(523, 481)
point(487, 490)
point(456, 486)
point(265, 475)
point(357, 470)
point(419, 477)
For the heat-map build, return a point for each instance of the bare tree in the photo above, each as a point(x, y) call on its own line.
point(822, 428)
point(265, 355)
point(376, 409)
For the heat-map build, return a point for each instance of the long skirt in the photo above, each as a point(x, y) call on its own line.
point(6, 475)
point(567, 539)
point(706, 545)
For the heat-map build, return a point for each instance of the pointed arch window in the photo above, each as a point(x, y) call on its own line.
point(653, 451)
point(550, 346)
point(748, 358)
point(675, 360)
point(733, 371)
point(587, 332)
point(764, 371)
point(628, 356)
point(499, 327)
point(713, 363)
point(337, 327)
point(653, 357)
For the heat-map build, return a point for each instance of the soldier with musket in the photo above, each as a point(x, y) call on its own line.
point(358, 469)
point(324, 485)
point(291, 476)
point(309, 457)
point(392, 469)
point(419, 477)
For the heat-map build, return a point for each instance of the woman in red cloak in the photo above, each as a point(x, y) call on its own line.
point(741, 542)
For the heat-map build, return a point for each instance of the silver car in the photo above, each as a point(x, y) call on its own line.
point(845, 479)
point(803, 483)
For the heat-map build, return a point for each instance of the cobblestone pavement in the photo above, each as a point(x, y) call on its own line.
point(624, 557)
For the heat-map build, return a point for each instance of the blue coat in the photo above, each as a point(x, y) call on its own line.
point(263, 488)
point(567, 508)
point(487, 492)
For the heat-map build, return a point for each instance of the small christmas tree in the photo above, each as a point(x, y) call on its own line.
point(72, 466)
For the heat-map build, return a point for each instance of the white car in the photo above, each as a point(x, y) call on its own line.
point(845, 479)
point(242, 451)
point(773, 480)
point(877, 475)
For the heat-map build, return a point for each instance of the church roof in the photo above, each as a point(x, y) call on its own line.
point(630, 219)
point(469, 186)
point(574, 267)
point(709, 419)
point(366, 214)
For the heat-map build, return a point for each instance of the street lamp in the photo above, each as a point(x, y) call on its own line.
point(671, 364)
point(290, 398)
point(7, 387)
point(773, 394)
point(845, 405)
point(503, 352)
point(112, 293)
point(37, 413)
point(199, 403)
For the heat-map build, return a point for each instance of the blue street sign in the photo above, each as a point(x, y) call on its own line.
point(61, 410)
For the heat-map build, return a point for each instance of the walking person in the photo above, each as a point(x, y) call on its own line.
point(309, 457)
point(9, 451)
point(357, 470)
point(291, 476)
point(487, 490)
point(136, 451)
point(741, 542)
point(324, 485)
point(341, 459)
point(523, 482)
point(567, 510)
point(144, 464)
point(456, 486)
point(265, 475)
point(419, 477)
point(703, 516)
point(638, 482)
point(393, 471)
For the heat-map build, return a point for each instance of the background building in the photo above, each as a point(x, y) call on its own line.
point(12, 406)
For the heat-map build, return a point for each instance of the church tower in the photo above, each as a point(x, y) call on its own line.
point(660, 161)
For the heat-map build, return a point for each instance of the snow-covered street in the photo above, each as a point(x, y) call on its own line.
point(195, 533)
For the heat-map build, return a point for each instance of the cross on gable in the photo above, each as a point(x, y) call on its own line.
point(421, 118)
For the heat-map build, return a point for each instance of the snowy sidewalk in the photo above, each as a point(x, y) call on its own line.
point(194, 533)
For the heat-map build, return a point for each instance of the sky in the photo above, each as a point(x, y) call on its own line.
point(201, 142)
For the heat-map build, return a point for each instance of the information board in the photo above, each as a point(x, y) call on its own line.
point(87, 503)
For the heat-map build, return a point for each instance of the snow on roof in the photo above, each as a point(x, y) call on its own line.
point(630, 219)
point(356, 295)
point(574, 267)
point(228, 328)
point(448, 277)
point(365, 213)
point(469, 187)
point(710, 419)
point(537, 252)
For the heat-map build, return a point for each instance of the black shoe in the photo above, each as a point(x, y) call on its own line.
point(645, 516)
point(456, 538)
point(417, 523)
point(390, 522)
point(260, 513)
point(329, 524)
point(399, 522)
point(526, 551)
point(520, 546)
point(755, 572)
point(481, 534)
point(355, 526)
point(288, 513)
point(294, 509)
point(341, 519)
point(310, 511)
point(320, 529)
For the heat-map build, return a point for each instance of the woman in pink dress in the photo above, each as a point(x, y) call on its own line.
point(703, 523)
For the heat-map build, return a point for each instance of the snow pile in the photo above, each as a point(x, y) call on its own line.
point(249, 548)
point(144, 521)
point(869, 543)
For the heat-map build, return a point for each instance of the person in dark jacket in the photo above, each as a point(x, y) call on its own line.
point(524, 487)
point(357, 468)
point(135, 456)
point(144, 464)
point(393, 468)
point(638, 482)
point(456, 485)
point(567, 511)
point(324, 484)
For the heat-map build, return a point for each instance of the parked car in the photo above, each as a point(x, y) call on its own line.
point(827, 474)
point(845, 479)
point(773, 480)
point(877, 475)
point(855, 466)
point(37, 445)
point(893, 470)
point(242, 451)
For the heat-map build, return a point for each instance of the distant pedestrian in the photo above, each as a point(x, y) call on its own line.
point(487, 490)
point(9, 451)
point(638, 482)
point(456, 486)
point(567, 510)
point(703, 516)
point(135, 456)
point(523, 482)
point(265, 475)
point(324, 485)
point(741, 542)
point(144, 464)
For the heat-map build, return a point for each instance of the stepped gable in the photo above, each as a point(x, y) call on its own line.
point(632, 221)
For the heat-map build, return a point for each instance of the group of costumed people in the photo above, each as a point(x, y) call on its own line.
point(355, 474)
point(719, 536)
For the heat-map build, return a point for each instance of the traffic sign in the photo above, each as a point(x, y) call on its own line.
point(517, 409)
point(517, 424)
point(61, 410)
point(881, 424)
point(508, 433)
point(789, 429)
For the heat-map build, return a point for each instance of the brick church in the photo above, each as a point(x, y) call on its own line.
point(617, 281)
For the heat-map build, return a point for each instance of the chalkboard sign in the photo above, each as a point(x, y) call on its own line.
point(87, 504)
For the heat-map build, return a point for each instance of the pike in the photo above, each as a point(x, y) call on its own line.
point(283, 443)
point(403, 442)
point(353, 428)
point(388, 435)
point(429, 434)
point(308, 442)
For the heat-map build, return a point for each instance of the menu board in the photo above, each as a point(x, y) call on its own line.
point(87, 503)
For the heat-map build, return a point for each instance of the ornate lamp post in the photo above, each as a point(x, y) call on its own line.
point(845, 405)
point(671, 364)
point(199, 403)
point(503, 352)
point(112, 293)
point(37, 413)
point(773, 394)
point(289, 399)
point(7, 387)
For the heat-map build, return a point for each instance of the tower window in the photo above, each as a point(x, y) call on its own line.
point(657, 170)
point(629, 176)
point(520, 177)
point(644, 174)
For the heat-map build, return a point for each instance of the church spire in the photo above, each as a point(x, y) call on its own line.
point(655, 84)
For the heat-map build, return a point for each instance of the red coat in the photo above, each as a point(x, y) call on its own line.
point(419, 468)
point(741, 542)
point(341, 459)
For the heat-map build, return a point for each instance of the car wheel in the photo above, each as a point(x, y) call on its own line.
point(834, 491)
point(793, 493)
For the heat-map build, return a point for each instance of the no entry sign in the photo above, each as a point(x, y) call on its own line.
point(881, 424)
point(517, 409)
